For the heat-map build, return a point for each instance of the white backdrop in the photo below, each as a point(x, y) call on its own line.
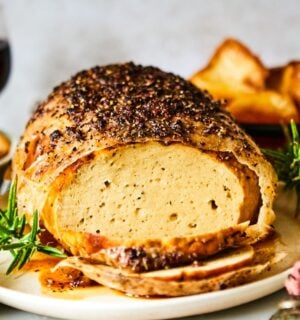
point(52, 39)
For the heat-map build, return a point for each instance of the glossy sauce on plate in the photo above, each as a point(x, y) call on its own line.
point(65, 283)
point(62, 282)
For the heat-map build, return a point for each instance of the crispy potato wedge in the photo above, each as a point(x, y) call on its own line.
point(266, 107)
point(233, 69)
point(286, 80)
point(254, 94)
point(4, 145)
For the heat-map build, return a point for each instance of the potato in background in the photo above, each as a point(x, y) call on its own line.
point(253, 93)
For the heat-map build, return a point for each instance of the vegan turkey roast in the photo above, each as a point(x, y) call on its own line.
point(137, 169)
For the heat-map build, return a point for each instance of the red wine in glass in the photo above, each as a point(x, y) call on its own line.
point(5, 62)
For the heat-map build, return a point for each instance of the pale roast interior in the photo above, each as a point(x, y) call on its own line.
point(150, 190)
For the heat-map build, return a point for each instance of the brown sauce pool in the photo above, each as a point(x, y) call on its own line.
point(57, 280)
point(65, 282)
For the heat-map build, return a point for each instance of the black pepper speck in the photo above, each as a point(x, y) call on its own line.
point(56, 134)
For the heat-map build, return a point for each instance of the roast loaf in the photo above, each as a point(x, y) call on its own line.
point(137, 168)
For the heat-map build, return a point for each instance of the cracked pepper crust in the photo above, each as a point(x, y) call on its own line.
point(126, 103)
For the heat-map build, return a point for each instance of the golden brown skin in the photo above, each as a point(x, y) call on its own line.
point(121, 104)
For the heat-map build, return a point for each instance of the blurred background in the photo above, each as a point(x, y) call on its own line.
point(52, 39)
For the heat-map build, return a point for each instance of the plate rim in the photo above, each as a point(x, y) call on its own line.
point(185, 306)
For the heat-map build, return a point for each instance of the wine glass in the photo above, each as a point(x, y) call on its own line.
point(5, 65)
point(5, 55)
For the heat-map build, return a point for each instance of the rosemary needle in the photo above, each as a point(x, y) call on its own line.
point(287, 162)
point(13, 237)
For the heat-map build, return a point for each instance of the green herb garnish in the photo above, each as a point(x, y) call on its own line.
point(286, 162)
point(13, 238)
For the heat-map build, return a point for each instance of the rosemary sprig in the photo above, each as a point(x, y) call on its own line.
point(287, 162)
point(13, 237)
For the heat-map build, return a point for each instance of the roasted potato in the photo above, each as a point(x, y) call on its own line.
point(4, 145)
point(232, 69)
point(254, 94)
point(286, 80)
point(265, 107)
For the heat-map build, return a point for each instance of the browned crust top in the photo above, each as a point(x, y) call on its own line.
point(128, 102)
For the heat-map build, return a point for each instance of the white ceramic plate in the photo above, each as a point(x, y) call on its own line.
point(24, 292)
point(25, 295)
